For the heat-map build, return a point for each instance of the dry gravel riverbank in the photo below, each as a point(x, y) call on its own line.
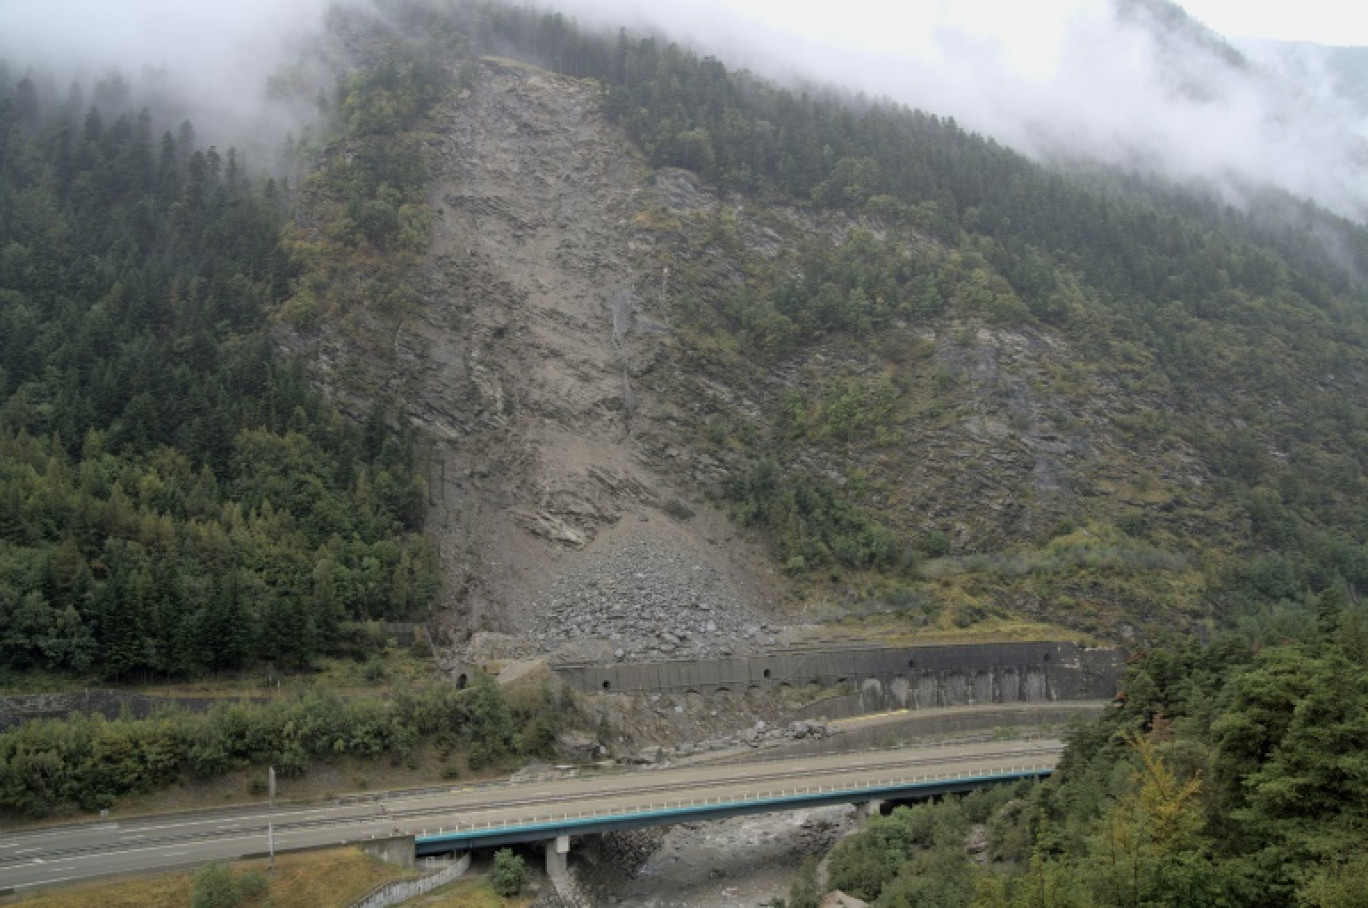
point(747, 861)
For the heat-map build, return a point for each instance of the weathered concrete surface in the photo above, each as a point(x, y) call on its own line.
point(397, 850)
point(916, 677)
point(557, 856)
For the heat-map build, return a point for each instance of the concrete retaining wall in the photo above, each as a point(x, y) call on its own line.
point(914, 677)
point(111, 704)
point(398, 850)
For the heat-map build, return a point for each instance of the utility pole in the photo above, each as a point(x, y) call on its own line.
point(270, 815)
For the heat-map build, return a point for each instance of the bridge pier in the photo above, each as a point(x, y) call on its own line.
point(868, 809)
point(557, 860)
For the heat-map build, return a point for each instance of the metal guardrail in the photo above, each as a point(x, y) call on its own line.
point(685, 805)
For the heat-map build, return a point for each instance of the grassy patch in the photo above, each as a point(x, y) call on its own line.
point(890, 630)
point(307, 880)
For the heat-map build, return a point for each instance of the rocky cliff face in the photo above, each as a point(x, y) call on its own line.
point(529, 368)
point(570, 424)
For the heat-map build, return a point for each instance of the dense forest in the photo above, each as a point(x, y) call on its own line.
point(1231, 773)
point(174, 498)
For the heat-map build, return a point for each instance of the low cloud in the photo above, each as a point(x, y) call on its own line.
point(1131, 82)
point(1126, 81)
point(207, 61)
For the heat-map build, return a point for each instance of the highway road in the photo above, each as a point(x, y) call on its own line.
point(59, 854)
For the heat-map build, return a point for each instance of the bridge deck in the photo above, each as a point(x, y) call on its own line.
point(683, 810)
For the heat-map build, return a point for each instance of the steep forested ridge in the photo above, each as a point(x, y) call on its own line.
point(975, 387)
point(175, 498)
point(1234, 337)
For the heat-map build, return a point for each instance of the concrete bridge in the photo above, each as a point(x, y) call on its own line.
point(861, 784)
point(691, 794)
point(552, 810)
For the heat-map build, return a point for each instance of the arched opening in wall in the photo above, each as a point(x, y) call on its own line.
point(767, 673)
point(462, 680)
point(1047, 657)
point(607, 684)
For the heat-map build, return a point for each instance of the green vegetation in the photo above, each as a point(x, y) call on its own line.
point(175, 499)
point(89, 761)
point(810, 524)
point(369, 221)
point(216, 886)
point(510, 873)
point(1232, 773)
point(299, 880)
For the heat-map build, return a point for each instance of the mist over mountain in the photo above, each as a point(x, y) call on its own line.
point(1342, 72)
point(208, 62)
point(1135, 83)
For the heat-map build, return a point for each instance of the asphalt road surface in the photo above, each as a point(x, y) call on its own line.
point(59, 854)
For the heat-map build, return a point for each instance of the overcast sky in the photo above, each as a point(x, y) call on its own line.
point(1030, 73)
point(1333, 22)
point(885, 23)
point(197, 36)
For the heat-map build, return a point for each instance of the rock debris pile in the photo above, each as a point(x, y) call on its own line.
point(762, 734)
point(643, 603)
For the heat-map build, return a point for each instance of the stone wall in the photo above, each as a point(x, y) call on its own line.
point(916, 677)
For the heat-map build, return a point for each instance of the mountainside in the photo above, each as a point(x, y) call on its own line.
point(1081, 400)
point(534, 369)
point(621, 311)
point(585, 347)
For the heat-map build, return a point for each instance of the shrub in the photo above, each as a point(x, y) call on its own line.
point(214, 887)
point(510, 872)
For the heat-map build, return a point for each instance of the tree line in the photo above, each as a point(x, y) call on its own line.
point(174, 497)
point(88, 762)
point(1231, 772)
